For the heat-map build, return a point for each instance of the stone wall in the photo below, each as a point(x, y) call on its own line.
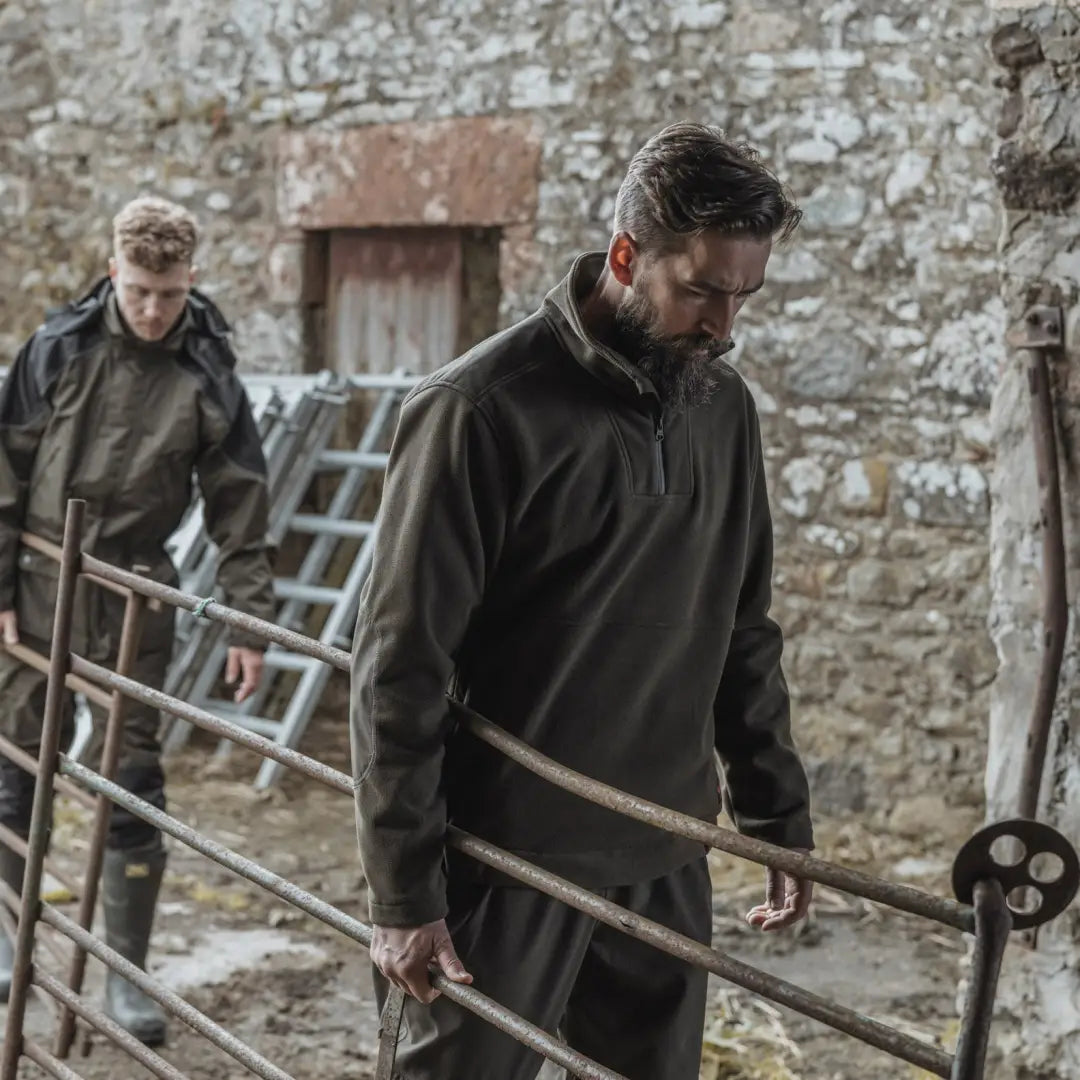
point(872, 353)
point(1037, 164)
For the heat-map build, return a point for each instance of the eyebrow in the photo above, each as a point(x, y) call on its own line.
point(172, 290)
point(709, 286)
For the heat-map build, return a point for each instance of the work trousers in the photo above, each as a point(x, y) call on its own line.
point(22, 708)
point(617, 1000)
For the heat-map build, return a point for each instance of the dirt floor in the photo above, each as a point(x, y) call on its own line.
point(300, 993)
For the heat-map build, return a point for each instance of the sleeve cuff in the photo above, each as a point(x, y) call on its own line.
point(410, 914)
point(795, 832)
point(241, 639)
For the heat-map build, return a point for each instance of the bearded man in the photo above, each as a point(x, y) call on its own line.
point(120, 398)
point(575, 541)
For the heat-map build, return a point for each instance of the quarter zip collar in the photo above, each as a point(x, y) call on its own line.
point(563, 308)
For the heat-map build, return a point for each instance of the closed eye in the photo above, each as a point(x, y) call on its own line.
point(706, 291)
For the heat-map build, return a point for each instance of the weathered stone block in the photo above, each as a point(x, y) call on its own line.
point(835, 207)
point(864, 486)
point(837, 786)
point(831, 366)
point(942, 493)
point(285, 271)
point(841, 543)
point(802, 485)
point(1033, 180)
point(891, 585)
point(919, 816)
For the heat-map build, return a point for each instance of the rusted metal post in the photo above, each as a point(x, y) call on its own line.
point(993, 922)
point(1043, 330)
point(130, 637)
point(389, 1033)
point(43, 790)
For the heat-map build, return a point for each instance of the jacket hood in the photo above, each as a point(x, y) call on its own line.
point(206, 319)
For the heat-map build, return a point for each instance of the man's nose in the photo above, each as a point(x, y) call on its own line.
point(721, 318)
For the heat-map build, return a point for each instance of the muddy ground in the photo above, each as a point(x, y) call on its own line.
point(301, 994)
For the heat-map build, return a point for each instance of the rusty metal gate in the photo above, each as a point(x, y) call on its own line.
point(982, 883)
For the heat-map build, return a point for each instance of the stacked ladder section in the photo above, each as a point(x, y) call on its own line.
point(297, 423)
point(307, 602)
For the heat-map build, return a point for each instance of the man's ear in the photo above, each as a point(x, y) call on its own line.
point(193, 273)
point(622, 254)
point(113, 268)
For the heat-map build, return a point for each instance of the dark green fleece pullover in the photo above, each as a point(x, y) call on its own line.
point(591, 574)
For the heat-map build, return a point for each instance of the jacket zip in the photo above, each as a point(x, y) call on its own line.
point(661, 474)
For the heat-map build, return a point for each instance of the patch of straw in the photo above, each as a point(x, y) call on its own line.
point(746, 1040)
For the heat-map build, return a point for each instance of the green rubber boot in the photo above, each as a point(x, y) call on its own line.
point(130, 883)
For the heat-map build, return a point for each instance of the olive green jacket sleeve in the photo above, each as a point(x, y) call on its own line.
point(441, 525)
point(24, 414)
point(765, 789)
point(232, 477)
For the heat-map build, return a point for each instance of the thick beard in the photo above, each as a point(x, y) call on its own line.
point(684, 369)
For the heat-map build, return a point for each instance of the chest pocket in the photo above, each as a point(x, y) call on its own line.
point(165, 433)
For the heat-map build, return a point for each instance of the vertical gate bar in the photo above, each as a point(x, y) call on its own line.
point(130, 637)
point(1055, 611)
point(993, 923)
point(389, 1033)
point(56, 691)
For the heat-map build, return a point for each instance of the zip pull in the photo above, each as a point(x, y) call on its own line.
point(661, 472)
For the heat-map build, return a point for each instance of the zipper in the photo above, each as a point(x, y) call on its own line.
point(661, 474)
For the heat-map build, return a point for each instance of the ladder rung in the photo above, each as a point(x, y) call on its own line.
point(229, 710)
point(291, 589)
point(327, 526)
point(287, 661)
point(352, 459)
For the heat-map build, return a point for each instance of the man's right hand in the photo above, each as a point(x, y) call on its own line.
point(9, 628)
point(403, 955)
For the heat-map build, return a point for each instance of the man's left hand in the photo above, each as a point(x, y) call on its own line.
point(244, 666)
point(787, 900)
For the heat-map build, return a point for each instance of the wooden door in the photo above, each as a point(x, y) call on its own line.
point(393, 299)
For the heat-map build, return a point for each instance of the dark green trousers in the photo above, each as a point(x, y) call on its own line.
point(624, 1004)
point(22, 709)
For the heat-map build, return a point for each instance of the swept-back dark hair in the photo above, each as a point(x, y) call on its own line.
point(690, 178)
